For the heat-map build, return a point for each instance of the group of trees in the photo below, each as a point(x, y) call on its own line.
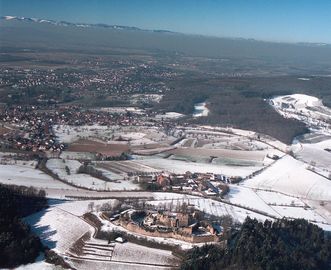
point(18, 245)
point(89, 169)
point(123, 156)
point(253, 113)
point(238, 103)
point(282, 244)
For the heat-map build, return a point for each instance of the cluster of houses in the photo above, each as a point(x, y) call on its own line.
point(119, 80)
point(207, 184)
point(32, 126)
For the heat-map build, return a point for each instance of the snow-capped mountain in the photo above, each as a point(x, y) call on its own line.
point(84, 25)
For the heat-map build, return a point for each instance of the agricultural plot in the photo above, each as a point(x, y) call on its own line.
point(291, 177)
point(93, 146)
point(125, 167)
point(256, 156)
point(248, 198)
point(227, 141)
point(275, 204)
point(77, 155)
point(314, 151)
point(276, 198)
point(136, 135)
point(94, 249)
point(67, 170)
point(129, 252)
point(88, 265)
point(180, 166)
point(27, 175)
point(299, 212)
point(69, 134)
point(169, 116)
point(57, 229)
point(79, 208)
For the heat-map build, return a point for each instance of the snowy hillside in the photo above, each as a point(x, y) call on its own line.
point(292, 177)
point(307, 109)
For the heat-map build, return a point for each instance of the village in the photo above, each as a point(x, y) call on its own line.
point(181, 185)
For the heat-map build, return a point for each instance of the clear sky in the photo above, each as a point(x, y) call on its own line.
point(276, 20)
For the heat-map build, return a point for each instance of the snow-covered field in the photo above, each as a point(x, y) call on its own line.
point(60, 225)
point(209, 206)
point(291, 177)
point(57, 228)
point(68, 134)
point(137, 135)
point(247, 197)
point(307, 109)
point(247, 203)
point(89, 265)
point(299, 212)
point(179, 166)
point(42, 265)
point(77, 155)
point(58, 166)
point(129, 252)
point(200, 109)
point(27, 175)
point(169, 115)
point(276, 198)
point(79, 208)
point(314, 152)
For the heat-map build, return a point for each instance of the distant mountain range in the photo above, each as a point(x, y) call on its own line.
point(23, 32)
point(84, 25)
point(123, 27)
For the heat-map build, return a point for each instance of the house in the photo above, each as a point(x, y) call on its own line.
point(163, 180)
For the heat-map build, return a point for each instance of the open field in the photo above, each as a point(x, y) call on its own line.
point(78, 155)
point(128, 166)
point(42, 265)
point(276, 198)
point(85, 145)
point(26, 175)
point(58, 229)
point(254, 156)
point(136, 135)
point(314, 151)
point(140, 254)
point(88, 265)
point(291, 177)
point(179, 166)
point(67, 171)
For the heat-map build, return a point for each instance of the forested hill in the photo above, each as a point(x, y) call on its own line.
point(17, 244)
point(283, 244)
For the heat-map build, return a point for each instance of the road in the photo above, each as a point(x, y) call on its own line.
point(53, 193)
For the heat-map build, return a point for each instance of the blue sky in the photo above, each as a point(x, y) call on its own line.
point(276, 20)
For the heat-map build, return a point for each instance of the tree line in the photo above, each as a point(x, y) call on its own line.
point(282, 244)
point(18, 245)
